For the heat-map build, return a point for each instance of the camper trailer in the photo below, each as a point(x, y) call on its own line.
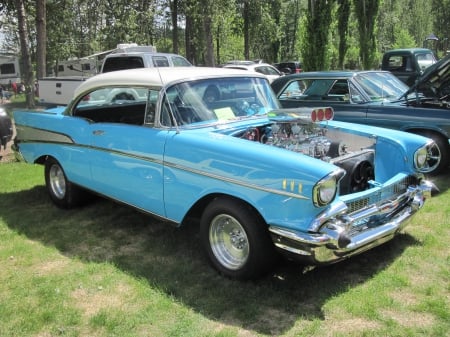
point(9, 69)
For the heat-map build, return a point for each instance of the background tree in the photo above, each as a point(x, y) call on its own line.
point(324, 34)
point(207, 13)
point(173, 5)
point(289, 22)
point(366, 14)
point(315, 41)
point(41, 38)
point(343, 13)
point(26, 57)
point(441, 26)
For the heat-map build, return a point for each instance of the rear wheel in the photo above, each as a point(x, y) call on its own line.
point(63, 193)
point(236, 239)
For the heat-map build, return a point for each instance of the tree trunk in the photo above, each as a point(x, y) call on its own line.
point(246, 30)
point(41, 32)
point(366, 13)
point(26, 59)
point(174, 16)
point(343, 13)
point(209, 59)
point(318, 27)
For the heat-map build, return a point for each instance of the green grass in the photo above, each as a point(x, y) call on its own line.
point(107, 270)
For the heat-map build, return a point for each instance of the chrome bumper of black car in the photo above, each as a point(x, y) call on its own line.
point(343, 234)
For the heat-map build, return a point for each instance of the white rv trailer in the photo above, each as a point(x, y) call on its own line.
point(9, 69)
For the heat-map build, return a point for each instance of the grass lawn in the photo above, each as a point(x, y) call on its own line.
point(107, 270)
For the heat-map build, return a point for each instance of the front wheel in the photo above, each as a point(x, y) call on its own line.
point(438, 155)
point(62, 192)
point(236, 239)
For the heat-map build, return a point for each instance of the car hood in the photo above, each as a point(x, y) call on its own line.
point(435, 81)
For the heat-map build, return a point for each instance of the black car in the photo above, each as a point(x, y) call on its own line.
point(379, 98)
point(6, 129)
point(290, 67)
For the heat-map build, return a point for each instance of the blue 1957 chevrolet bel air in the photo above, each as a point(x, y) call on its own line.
point(214, 145)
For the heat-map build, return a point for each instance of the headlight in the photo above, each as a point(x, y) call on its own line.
point(3, 112)
point(420, 157)
point(325, 190)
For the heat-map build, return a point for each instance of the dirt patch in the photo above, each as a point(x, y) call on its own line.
point(7, 155)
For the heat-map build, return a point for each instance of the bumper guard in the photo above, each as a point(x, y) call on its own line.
point(342, 235)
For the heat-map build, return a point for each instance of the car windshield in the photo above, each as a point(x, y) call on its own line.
point(216, 100)
point(381, 86)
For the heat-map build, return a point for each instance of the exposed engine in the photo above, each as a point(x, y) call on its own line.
point(354, 154)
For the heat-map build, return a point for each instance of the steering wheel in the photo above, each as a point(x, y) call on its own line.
point(247, 109)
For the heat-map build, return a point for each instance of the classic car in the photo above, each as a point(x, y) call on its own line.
point(378, 98)
point(260, 180)
point(408, 63)
point(6, 128)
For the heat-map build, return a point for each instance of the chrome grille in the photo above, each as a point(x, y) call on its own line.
point(380, 193)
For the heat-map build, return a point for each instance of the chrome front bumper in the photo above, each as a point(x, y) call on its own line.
point(341, 234)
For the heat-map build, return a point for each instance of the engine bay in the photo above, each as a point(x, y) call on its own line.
point(353, 153)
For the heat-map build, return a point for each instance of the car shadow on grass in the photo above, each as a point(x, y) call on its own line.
point(170, 259)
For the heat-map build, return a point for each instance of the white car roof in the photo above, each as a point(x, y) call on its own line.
point(157, 76)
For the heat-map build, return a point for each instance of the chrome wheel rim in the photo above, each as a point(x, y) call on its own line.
point(229, 242)
point(433, 159)
point(57, 181)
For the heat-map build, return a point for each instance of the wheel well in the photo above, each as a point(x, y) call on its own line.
point(197, 209)
point(42, 159)
point(434, 135)
point(427, 133)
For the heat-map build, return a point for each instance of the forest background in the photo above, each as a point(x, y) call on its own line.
point(322, 34)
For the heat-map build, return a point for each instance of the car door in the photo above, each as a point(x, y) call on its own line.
point(348, 102)
point(128, 164)
point(126, 154)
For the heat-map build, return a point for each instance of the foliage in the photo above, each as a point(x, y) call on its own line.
point(336, 34)
point(318, 22)
point(366, 14)
point(403, 39)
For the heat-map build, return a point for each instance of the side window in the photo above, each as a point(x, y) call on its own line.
point(7, 68)
point(180, 62)
point(168, 107)
point(126, 105)
point(338, 92)
point(318, 88)
point(122, 63)
point(293, 90)
point(160, 61)
point(394, 62)
point(151, 106)
point(355, 95)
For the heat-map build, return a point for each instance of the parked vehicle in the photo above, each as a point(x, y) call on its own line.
point(290, 67)
point(408, 64)
point(142, 59)
point(268, 70)
point(259, 180)
point(59, 90)
point(378, 98)
point(6, 128)
point(9, 69)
